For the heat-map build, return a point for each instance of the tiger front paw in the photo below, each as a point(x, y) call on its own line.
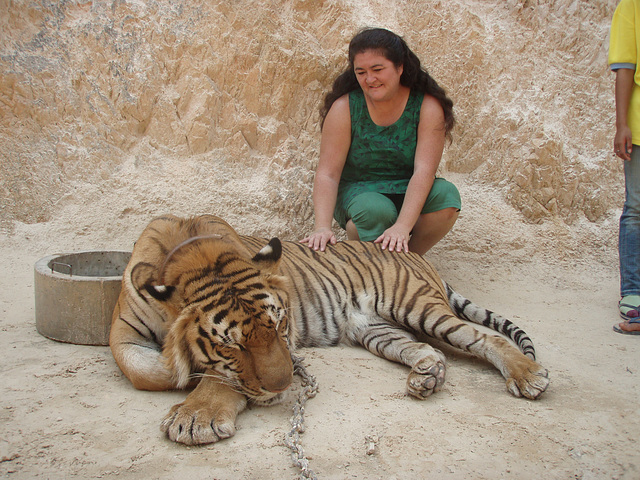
point(197, 426)
point(207, 415)
point(426, 377)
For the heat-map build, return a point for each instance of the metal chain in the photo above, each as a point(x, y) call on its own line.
point(292, 439)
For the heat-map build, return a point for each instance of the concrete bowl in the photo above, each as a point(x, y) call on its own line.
point(75, 294)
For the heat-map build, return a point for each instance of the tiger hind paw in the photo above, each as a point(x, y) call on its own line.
point(531, 383)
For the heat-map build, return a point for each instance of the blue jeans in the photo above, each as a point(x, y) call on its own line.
point(629, 239)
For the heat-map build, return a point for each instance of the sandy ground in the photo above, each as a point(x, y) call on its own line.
point(68, 412)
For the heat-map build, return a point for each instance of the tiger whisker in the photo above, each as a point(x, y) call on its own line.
point(221, 379)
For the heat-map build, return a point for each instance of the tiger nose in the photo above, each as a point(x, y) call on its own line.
point(281, 386)
point(273, 366)
point(278, 380)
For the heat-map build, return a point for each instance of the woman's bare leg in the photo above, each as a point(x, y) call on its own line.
point(431, 228)
point(352, 231)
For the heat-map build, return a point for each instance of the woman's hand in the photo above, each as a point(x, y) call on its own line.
point(624, 88)
point(395, 238)
point(622, 143)
point(319, 239)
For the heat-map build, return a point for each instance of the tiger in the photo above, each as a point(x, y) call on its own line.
point(203, 307)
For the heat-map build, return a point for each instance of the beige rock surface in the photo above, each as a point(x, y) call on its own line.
point(113, 112)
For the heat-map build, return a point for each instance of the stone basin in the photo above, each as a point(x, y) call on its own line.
point(75, 294)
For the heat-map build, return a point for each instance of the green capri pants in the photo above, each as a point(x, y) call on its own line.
point(372, 212)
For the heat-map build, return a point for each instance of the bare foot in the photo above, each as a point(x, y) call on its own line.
point(628, 327)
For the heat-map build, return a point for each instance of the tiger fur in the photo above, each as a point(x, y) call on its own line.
point(202, 306)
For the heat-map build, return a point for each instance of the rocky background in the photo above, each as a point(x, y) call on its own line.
point(113, 112)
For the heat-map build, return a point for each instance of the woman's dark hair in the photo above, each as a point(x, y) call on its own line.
point(394, 49)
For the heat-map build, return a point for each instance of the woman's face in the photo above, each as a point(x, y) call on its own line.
point(378, 77)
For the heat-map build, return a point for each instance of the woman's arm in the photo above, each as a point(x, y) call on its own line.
point(334, 147)
point(624, 87)
point(431, 139)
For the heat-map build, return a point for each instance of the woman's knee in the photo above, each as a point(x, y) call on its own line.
point(450, 215)
point(436, 222)
point(372, 213)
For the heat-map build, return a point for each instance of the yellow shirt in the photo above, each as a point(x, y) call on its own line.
point(624, 47)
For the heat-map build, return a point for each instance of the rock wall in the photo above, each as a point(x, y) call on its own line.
point(115, 111)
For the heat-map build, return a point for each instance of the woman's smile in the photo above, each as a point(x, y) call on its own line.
point(378, 77)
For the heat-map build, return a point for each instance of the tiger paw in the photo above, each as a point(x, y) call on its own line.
point(426, 377)
point(528, 381)
point(197, 426)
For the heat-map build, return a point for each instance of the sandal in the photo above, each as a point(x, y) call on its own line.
point(632, 321)
point(629, 309)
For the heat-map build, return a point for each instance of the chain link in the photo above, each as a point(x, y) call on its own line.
point(292, 439)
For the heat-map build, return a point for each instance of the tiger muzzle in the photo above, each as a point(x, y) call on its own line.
point(273, 366)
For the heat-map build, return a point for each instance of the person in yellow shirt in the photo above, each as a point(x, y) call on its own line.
point(624, 49)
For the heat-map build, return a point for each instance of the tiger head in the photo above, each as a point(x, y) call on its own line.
point(230, 316)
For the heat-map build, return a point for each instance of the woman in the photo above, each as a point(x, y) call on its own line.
point(384, 126)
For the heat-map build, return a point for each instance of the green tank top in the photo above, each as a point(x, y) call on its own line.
point(380, 159)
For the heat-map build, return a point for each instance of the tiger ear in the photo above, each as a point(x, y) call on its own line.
point(160, 292)
point(143, 278)
point(268, 259)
